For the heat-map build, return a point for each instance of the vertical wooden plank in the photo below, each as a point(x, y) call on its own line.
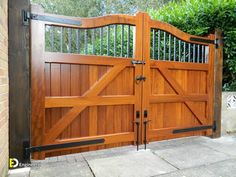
point(55, 91)
point(37, 82)
point(218, 65)
point(93, 110)
point(138, 55)
point(19, 95)
point(146, 71)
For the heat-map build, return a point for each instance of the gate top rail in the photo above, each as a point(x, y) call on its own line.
point(180, 34)
point(93, 22)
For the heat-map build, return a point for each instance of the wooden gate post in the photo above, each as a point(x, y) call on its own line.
point(19, 90)
point(218, 65)
point(37, 82)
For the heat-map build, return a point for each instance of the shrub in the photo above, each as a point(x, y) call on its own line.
point(201, 17)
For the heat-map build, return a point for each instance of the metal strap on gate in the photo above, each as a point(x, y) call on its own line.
point(197, 128)
point(28, 150)
point(26, 16)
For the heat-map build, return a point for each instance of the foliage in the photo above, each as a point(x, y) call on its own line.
point(201, 17)
point(92, 8)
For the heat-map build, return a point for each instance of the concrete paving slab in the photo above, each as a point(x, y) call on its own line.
point(186, 156)
point(219, 169)
point(168, 144)
point(134, 164)
point(225, 144)
point(63, 170)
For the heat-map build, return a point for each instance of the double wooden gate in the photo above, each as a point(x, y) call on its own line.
point(116, 80)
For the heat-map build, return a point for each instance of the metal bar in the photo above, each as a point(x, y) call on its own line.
point(137, 126)
point(208, 41)
point(184, 51)
point(174, 48)
point(153, 43)
point(189, 52)
point(205, 127)
point(198, 53)
point(203, 54)
point(78, 40)
point(108, 40)
point(61, 39)
point(128, 41)
point(64, 145)
point(122, 40)
point(115, 36)
point(86, 41)
point(164, 51)
point(93, 41)
point(54, 19)
point(101, 39)
point(169, 47)
point(194, 53)
point(52, 37)
point(179, 50)
point(145, 128)
point(159, 44)
point(69, 40)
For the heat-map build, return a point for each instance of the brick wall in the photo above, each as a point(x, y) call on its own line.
point(3, 88)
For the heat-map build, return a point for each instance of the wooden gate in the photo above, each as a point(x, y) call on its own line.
point(116, 80)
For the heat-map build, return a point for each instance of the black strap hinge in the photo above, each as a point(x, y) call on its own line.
point(27, 16)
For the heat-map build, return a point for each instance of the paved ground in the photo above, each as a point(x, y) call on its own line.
point(184, 157)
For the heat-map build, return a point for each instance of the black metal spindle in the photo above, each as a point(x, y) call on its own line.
point(93, 41)
point(153, 43)
point(101, 39)
point(69, 40)
point(198, 53)
point(169, 47)
point(115, 36)
point(184, 51)
point(194, 53)
point(78, 40)
point(128, 41)
point(108, 40)
point(122, 40)
point(189, 52)
point(159, 44)
point(52, 37)
point(61, 38)
point(164, 51)
point(86, 41)
point(203, 54)
point(174, 48)
point(179, 50)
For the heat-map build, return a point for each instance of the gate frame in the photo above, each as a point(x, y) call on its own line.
point(19, 93)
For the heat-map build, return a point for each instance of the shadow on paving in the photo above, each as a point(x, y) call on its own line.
point(189, 157)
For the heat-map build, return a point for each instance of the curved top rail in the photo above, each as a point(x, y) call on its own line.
point(178, 33)
point(93, 22)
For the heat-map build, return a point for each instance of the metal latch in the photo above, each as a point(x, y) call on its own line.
point(138, 62)
point(140, 78)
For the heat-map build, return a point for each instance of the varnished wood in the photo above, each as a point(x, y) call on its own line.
point(85, 59)
point(94, 22)
point(168, 98)
point(179, 65)
point(37, 83)
point(88, 96)
point(53, 102)
point(218, 69)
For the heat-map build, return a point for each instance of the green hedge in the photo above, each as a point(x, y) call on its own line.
point(201, 17)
